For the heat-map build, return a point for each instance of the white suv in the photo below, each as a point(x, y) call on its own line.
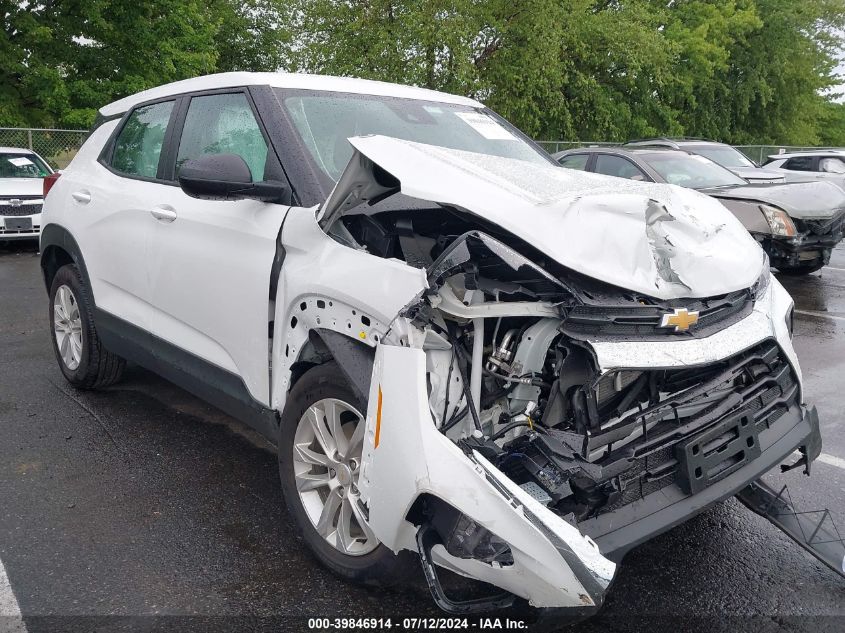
point(516, 371)
point(22, 175)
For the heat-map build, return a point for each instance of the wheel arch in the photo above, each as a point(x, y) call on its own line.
point(353, 357)
point(59, 248)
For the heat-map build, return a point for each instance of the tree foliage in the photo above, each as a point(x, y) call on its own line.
point(736, 70)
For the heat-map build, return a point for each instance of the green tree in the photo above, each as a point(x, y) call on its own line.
point(60, 61)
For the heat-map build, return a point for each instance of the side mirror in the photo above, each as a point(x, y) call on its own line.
point(227, 177)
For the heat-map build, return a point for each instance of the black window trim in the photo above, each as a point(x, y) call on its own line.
point(165, 174)
point(596, 155)
point(814, 163)
point(168, 168)
point(107, 153)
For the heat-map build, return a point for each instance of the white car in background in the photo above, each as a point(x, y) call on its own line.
point(515, 371)
point(808, 166)
point(22, 174)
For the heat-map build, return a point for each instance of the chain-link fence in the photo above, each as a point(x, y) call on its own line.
point(57, 147)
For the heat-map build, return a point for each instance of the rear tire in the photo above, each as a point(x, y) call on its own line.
point(85, 363)
point(316, 485)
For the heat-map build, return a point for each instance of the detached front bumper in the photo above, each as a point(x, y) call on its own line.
point(619, 531)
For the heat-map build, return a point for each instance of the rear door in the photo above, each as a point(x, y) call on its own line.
point(211, 261)
point(112, 205)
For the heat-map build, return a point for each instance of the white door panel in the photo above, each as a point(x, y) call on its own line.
point(210, 277)
point(113, 228)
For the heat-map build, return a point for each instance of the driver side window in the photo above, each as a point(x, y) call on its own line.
point(223, 124)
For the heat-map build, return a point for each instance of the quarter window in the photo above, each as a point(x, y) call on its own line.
point(832, 166)
point(574, 161)
point(223, 124)
point(138, 146)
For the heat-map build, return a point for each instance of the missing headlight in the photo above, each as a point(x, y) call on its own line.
point(463, 537)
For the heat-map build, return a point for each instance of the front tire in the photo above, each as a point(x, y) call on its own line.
point(85, 363)
point(320, 444)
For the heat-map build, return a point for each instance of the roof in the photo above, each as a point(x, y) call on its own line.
point(294, 81)
point(635, 151)
point(820, 152)
point(674, 142)
point(15, 150)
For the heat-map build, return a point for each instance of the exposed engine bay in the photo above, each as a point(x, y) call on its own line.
point(510, 375)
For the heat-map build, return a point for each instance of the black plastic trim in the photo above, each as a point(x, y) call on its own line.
point(205, 380)
point(354, 358)
point(60, 237)
point(616, 533)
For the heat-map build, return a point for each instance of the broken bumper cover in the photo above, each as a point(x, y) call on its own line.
point(406, 458)
point(618, 531)
point(813, 246)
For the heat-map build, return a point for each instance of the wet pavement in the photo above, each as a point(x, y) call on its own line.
point(143, 501)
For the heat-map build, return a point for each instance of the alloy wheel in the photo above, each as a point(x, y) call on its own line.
point(67, 327)
point(327, 449)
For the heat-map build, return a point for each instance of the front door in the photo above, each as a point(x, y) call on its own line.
point(211, 260)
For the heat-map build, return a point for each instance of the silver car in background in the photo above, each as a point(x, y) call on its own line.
point(722, 154)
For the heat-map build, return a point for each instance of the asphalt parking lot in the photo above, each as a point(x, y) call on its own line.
point(142, 501)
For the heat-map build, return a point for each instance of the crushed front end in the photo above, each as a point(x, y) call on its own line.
point(811, 246)
point(536, 410)
point(595, 417)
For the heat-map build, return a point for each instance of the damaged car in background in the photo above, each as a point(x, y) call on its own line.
point(514, 371)
point(797, 224)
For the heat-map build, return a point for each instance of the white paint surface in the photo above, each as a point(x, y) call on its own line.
point(10, 613)
point(831, 460)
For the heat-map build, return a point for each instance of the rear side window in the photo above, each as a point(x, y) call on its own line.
point(137, 148)
point(799, 163)
point(223, 124)
point(832, 166)
point(574, 161)
point(620, 167)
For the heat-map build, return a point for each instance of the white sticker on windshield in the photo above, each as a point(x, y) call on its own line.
point(20, 161)
point(486, 126)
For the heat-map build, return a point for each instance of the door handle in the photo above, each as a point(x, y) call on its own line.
point(82, 197)
point(164, 214)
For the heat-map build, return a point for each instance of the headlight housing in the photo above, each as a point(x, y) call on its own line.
point(779, 221)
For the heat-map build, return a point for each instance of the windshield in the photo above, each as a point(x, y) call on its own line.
point(22, 166)
point(324, 122)
point(724, 156)
point(692, 171)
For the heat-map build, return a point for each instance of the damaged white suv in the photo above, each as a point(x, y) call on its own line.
point(517, 371)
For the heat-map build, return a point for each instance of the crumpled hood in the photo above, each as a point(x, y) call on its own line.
point(21, 186)
point(660, 240)
point(816, 200)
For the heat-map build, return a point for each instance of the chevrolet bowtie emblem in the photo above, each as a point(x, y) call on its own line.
point(681, 319)
point(15, 202)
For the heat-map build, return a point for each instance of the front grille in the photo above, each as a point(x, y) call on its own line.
point(759, 384)
point(9, 211)
point(831, 226)
point(643, 321)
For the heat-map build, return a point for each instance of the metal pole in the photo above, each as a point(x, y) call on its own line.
point(29, 138)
